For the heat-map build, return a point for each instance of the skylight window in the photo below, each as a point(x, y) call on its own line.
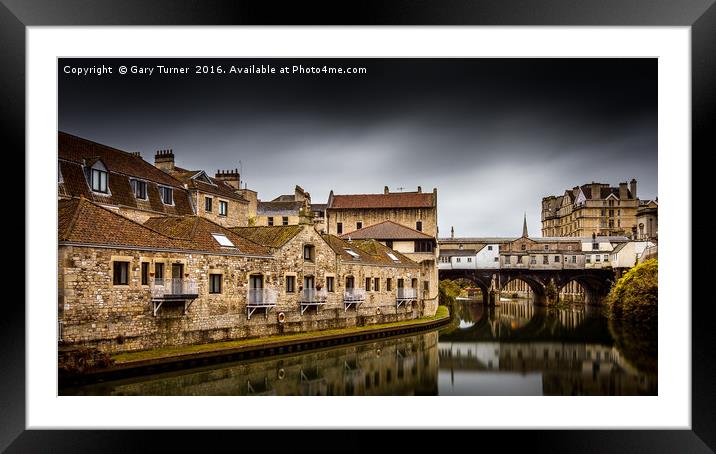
point(222, 240)
point(393, 257)
point(353, 253)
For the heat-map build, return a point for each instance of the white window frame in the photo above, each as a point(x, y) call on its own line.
point(161, 194)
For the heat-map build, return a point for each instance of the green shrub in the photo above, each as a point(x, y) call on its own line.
point(635, 295)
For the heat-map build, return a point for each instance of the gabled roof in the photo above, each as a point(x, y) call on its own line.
point(387, 230)
point(78, 150)
point(271, 236)
point(81, 221)
point(370, 252)
point(74, 152)
point(618, 248)
point(390, 200)
point(278, 208)
point(194, 179)
point(199, 231)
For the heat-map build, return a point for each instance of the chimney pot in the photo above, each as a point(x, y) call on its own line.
point(420, 189)
point(386, 190)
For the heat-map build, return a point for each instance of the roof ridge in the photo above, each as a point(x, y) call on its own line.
point(75, 215)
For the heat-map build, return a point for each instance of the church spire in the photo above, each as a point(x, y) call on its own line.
point(524, 227)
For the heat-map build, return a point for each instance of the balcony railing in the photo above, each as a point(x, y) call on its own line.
point(173, 290)
point(260, 298)
point(353, 296)
point(405, 295)
point(311, 297)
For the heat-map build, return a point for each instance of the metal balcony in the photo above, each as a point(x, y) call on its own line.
point(173, 290)
point(260, 298)
point(406, 295)
point(353, 296)
point(311, 297)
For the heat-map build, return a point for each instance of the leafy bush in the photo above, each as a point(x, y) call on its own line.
point(635, 295)
point(448, 291)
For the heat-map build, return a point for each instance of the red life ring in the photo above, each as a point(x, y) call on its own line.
point(281, 317)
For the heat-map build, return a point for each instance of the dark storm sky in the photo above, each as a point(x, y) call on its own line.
point(493, 135)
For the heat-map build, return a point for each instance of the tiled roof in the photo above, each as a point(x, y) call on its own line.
point(391, 200)
point(285, 198)
point(278, 208)
point(219, 187)
point(618, 248)
point(318, 206)
point(483, 239)
point(199, 230)
point(370, 252)
point(121, 166)
point(83, 221)
point(387, 230)
point(272, 236)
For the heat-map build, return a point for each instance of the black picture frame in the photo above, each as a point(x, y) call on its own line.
point(700, 15)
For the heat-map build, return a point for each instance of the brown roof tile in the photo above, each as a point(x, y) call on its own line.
point(219, 187)
point(272, 236)
point(370, 252)
point(387, 230)
point(390, 200)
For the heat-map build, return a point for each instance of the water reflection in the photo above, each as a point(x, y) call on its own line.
point(513, 349)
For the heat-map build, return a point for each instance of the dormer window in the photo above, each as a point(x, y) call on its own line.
point(139, 188)
point(99, 177)
point(167, 195)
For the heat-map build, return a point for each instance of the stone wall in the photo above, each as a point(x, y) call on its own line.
point(404, 216)
point(237, 214)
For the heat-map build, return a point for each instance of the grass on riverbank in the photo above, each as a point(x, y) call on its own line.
point(129, 357)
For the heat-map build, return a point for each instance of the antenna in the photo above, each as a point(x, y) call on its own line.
point(400, 189)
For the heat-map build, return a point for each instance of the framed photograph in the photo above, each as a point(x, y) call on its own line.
point(411, 217)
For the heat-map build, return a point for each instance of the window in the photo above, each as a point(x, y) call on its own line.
point(545, 259)
point(489, 248)
point(603, 212)
point(99, 180)
point(215, 283)
point(523, 247)
point(139, 188)
point(350, 282)
point(597, 258)
point(419, 226)
point(546, 247)
point(611, 223)
point(208, 201)
point(507, 260)
point(290, 284)
point(389, 284)
point(367, 284)
point(222, 240)
point(223, 208)
point(595, 246)
point(458, 260)
point(497, 259)
point(359, 225)
point(308, 252)
point(611, 213)
point(330, 284)
point(606, 257)
point(574, 259)
point(533, 260)
point(121, 273)
point(167, 195)
point(556, 259)
point(158, 271)
point(339, 228)
point(469, 259)
point(393, 257)
point(269, 221)
point(145, 273)
point(389, 243)
point(588, 259)
point(284, 220)
point(426, 286)
point(376, 284)
point(352, 253)
point(424, 246)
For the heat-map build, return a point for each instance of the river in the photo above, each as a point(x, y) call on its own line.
point(515, 348)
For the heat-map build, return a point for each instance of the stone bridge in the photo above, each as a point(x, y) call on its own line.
point(595, 281)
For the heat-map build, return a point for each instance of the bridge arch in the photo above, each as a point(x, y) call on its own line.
point(536, 286)
point(481, 282)
point(595, 288)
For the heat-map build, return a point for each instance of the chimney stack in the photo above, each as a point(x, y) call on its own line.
point(420, 189)
point(136, 153)
point(164, 160)
point(633, 188)
point(230, 177)
point(623, 192)
point(385, 190)
point(596, 191)
point(452, 232)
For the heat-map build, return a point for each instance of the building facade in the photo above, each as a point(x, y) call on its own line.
point(288, 209)
point(594, 208)
point(647, 217)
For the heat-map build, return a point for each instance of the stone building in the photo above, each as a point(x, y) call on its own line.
point(118, 180)
point(176, 280)
point(287, 209)
point(594, 208)
point(647, 217)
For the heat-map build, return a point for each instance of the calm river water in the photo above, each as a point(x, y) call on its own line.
point(512, 349)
